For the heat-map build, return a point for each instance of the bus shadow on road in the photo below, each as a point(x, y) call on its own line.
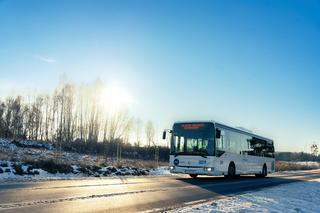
point(219, 178)
point(239, 185)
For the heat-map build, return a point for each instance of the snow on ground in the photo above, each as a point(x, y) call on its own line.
point(82, 166)
point(9, 171)
point(43, 175)
point(160, 171)
point(5, 144)
point(33, 160)
point(308, 163)
point(293, 197)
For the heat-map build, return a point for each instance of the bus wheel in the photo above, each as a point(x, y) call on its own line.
point(264, 171)
point(232, 171)
point(193, 175)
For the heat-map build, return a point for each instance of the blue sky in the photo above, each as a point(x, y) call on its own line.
point(246, 63)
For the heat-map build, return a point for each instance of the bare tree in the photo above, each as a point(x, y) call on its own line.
point(138, 129)
point(8, 117)
point(119, 124)
point(17, 118)
point(37, 110)
point(128, 124)
point(46, 102)
point(314, 150)
point(150, 133)
point(2, 122)
point(54, 116)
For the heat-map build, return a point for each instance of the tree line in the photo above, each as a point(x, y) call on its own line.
point(296, 156)
point(71, 113)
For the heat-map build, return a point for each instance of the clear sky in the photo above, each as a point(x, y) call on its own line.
point(245, 63)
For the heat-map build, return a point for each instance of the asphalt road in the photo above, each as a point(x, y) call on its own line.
point(129, 194)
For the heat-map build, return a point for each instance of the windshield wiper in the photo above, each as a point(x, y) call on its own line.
point(191, 153)
point(178, 153)
point(203, 155)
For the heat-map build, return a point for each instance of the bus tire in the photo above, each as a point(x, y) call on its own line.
point(194, 176)
point(231, 171)
point(264, 171)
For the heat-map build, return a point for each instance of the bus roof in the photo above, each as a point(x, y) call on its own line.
point(227, 127)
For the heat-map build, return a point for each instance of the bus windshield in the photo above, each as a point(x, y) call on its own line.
point(192, 139)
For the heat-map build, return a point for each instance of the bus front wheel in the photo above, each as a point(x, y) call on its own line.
point(193, 175)
point(231, 171)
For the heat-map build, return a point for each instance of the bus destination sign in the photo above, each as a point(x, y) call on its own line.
point(193, 126)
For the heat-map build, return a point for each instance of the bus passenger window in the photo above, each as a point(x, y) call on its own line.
point(220, 141)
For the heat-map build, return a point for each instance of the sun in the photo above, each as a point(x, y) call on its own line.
point(114, 97)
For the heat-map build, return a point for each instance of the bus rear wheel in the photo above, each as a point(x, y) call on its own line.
point(264, 172)
point(193, 175)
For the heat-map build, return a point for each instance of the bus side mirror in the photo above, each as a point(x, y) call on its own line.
point(218, 133)
point(164, 135)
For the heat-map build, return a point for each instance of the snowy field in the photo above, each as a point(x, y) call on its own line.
point(31, 160)
point(293, 197)
point(8, 173)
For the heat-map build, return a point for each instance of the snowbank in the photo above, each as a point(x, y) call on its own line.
point(6, 144)
point(293, 197)
point(294, 166)
point(32, 144)
point(34, 160)
point(308, 163)
point(20, 171)
point(161, 171)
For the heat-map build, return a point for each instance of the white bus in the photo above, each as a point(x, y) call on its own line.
point(211, 148)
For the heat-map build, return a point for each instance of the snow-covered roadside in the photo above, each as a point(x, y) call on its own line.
point(293, 197)
point(8, 173)
point(160, 171)
point(308, 163)
point(13, 171)
point(23, 160)
point(43, 175)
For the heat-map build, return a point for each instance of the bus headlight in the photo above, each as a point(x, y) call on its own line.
point(171, 167)
point(209, 169)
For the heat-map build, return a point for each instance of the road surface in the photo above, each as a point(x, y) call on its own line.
point(130, 194)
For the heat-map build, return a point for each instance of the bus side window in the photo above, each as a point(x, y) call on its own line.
point(177, 143)
point(222, 142)
point(180, 145)
point(219, 139)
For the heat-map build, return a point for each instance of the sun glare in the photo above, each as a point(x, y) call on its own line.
point(114, 97)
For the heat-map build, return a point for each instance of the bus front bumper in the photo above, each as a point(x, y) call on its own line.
point(192, 170)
